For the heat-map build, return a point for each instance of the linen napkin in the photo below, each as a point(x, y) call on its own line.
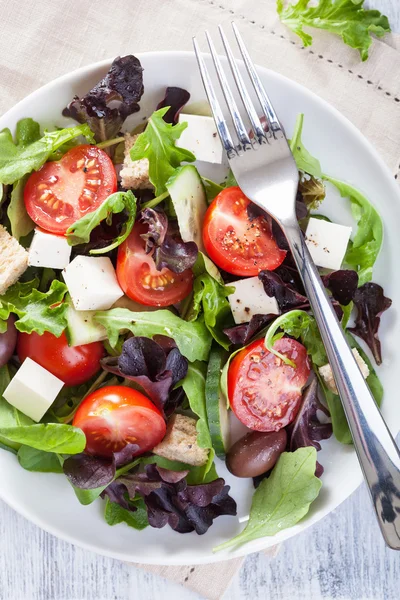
point(42, 39)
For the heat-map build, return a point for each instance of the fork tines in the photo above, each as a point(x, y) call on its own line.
point(245, 140)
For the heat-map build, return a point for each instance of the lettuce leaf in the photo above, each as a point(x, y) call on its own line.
point(49, 437)
point(346, 18)
point(79, 232)
point(157, 144)
point(20, 222)
point(304, 160)
point(37, 311)
point(26, 154)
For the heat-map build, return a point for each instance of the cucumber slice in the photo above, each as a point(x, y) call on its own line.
point(217, 412)
point(190, 203)
point(81, 329)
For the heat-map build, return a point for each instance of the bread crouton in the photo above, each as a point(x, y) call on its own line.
point(134, 173)
point(180, 442)
point(13, 260)
point(327, 375)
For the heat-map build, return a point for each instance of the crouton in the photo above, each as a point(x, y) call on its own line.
point(13, 260)
point(327, 375)
point(180, 442)
point(134, 173)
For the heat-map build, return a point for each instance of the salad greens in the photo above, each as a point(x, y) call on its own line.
point(283, 499)
point(49, 437)
point(28, 153)
point(20, 222)
point(114, 514)
point(39, 461)
point(347, 18)
point(79, 232)
point(157, 144)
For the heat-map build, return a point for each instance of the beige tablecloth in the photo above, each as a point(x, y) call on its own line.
point(42, 39)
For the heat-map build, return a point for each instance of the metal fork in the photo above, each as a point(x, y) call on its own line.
point(265, 170)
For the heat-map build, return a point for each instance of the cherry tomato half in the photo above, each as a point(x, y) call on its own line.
point(116, 415)
point(264, 392)
point(139, 278)
point(63, 191)
point(235, 242)
point(72, 364)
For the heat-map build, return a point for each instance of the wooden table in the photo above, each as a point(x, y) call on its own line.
point(343, 557)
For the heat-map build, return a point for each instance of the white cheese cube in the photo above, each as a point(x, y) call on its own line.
point(249, 298)
point(48, 250)
point(326, 371)
point(327, 243)
point(201, 137)
point(92, 283)
point(33, 389)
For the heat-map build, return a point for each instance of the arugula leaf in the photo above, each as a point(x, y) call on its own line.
point(363, 250)
point(79, 232)
point(283, 499)
point(37, 311)
point(26, 154)
point(304, 160)
point(50, 437)
point(9, 415)
point(346, 18)
point(39, 461)
point(157, 144)
point(192, 339)
point(115, 514)
point(20, 221)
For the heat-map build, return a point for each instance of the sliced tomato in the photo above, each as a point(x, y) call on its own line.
point(141, 281)
point(72, 364)
point(63, 191)
point(235, 242)
point(264, 392)
point(116, 415)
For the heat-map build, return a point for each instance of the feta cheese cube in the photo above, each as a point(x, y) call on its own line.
point(92, 283)
point(249, 298)
point(326, 371)
point(48, 250)
point(33, 389)
point(201, 137)
point(327, 242)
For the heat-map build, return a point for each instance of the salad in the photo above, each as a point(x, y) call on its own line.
point(147, 311)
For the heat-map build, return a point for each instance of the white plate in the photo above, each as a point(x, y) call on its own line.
point(47, 499)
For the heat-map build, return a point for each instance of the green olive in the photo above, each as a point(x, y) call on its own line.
point(256, 453)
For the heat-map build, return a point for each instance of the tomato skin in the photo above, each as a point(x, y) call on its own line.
point(264, 392)
point(141, 281)
point(63, 191)
point(236, 243)
point(117, 415)
point(72, 364)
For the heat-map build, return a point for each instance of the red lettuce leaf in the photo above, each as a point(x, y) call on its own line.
point(343, 285)
point(175, 98)
point(89, 472)
point(370, 302)
point(106, 106)
point(171, 501)
point(156, 367)
point(286, 295)
point(243, 333)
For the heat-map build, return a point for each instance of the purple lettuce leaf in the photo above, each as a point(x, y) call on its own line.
point(106, 106)
point(89, 472)
point(243, 333)
point(307, 429)
point(342, 284)
point(175, 98)
point(286, 296)
point(171, 501)
point(370, 302)
point(156, 368)
point(165, 244)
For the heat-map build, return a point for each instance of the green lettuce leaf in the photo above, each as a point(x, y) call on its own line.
point(283, 499)
point(363, 250)
point(39, 461)
point(9, 415)
point(115, 514)
point(37, 311)
point(79, 232)
point(346, 18)
point(26, 154)
point(304, 160)
point(157, 144)
point(20, 222)
point(192, 339)
point(50, 437)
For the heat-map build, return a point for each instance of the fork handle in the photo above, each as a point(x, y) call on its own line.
point(376, 449)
